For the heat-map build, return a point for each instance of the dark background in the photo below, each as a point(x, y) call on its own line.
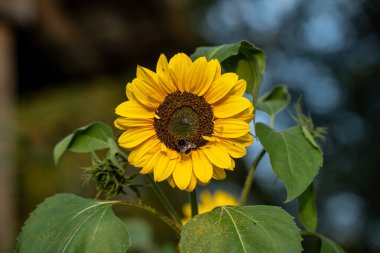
point(65, 64)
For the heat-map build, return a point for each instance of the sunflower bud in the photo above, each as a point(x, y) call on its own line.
point(109, 177)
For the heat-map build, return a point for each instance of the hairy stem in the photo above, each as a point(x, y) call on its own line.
point(156, 213)
point(165, 202)
point(249, 179)
point(193, 203)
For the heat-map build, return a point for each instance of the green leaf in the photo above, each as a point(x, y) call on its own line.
point(329, 246)
point(85, 139)
point(306, 209)
point(243, 58)
point(241, 229)
point(293, 158)
point(274, 100)
point(325, 245)
point(67, 223)
point(141, 234)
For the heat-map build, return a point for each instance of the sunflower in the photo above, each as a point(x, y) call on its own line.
point(208, 202)
point(185, 122)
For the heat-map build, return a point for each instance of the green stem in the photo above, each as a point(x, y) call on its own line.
point(249, 179)
point(156, 213)
point(160, 194)
point(272, 121)
point(165, 202)
point(194, 203)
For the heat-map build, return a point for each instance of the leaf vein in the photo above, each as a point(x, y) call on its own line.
point(237, 230)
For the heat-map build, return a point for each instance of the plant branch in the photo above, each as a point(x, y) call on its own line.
point(160, 194)
point(165, 202)
point(153, 211)
point(193, 203)
point(249, 179)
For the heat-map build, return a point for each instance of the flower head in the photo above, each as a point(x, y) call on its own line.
point(185, 122)
point(208, 202)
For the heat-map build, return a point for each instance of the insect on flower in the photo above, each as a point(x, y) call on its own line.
point(185, 147)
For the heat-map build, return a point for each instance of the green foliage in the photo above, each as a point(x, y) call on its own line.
point(312, 134)
point(293, 158)
point(109, 178)
point(85, 139)
point(241, 229)
point(307, 210)
point(243, 58)
point(325, 245)
point(141, 235)
point(274, 100)
point(67, 223)
point(329, 246)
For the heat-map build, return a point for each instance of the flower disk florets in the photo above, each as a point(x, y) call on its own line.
point(184, 116)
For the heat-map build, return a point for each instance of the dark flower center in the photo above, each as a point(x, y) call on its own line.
point(183, 119)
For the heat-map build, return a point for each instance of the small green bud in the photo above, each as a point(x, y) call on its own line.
point(109, 176)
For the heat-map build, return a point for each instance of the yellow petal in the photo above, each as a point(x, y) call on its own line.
point(230, 128)
point(162, 64)
point(147, 75)
point(223, 198)
point(135, 136)
point(146, 94)
point(245, 140)
point(220, 87)
point(163, 74)
point(140, 154)
point(160, 166)
point(219, 174)
point(217, 155)
point(180, 64)
point(214, 69)
point(233, 147)
point(201, 166)
point(232, 167)
point(214, 63)
point(171, 181)
point(140, 162)
point(246, 115)
point(182, 173)
point(205, 197)
point(199, 76)
point(129, 92)
point(148, 167)
point(164, 168)
point(231, 106)
point(124, 123)
point(238, 89)
point(173, 154)
point(186, 210)
point(193, 184)
point(133, 109)
point(212, 138)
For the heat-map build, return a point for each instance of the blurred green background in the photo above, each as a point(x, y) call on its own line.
point(64, 64)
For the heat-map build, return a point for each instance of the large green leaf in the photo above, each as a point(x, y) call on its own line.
point(274, 100)
point(293, 158)
point(246, 229)
point(243, 58)
point(85, 139)
point(66, 223)
point(306, 209)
